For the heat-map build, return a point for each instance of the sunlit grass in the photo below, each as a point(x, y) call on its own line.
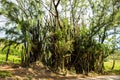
point(108, 66)
point(11, 58)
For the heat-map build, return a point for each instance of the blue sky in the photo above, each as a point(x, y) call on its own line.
point(2, 34)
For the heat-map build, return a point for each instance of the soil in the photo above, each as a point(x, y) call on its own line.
point(38, 71)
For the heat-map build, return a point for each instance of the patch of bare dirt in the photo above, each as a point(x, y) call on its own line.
point(38, 71)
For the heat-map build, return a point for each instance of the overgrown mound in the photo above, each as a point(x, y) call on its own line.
point(34, 71)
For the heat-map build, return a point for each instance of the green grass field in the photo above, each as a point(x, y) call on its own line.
point(12, 59)
point(108, 65)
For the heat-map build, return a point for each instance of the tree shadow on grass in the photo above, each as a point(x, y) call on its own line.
point(114, 72)
point(117, 72)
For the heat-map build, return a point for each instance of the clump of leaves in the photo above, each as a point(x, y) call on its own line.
point(4, 74)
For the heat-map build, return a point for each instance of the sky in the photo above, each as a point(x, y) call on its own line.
point(2, 34)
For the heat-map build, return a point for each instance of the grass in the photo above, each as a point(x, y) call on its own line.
point(4, 74)
point(11, 58)
point(108, 66)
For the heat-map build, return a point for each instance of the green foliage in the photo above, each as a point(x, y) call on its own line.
point(77, 35)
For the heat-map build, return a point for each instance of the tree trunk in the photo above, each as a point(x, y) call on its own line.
point(35, 52)
point(113, 65)
point(7, 54)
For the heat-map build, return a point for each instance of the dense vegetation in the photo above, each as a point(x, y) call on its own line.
point(62, 34)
